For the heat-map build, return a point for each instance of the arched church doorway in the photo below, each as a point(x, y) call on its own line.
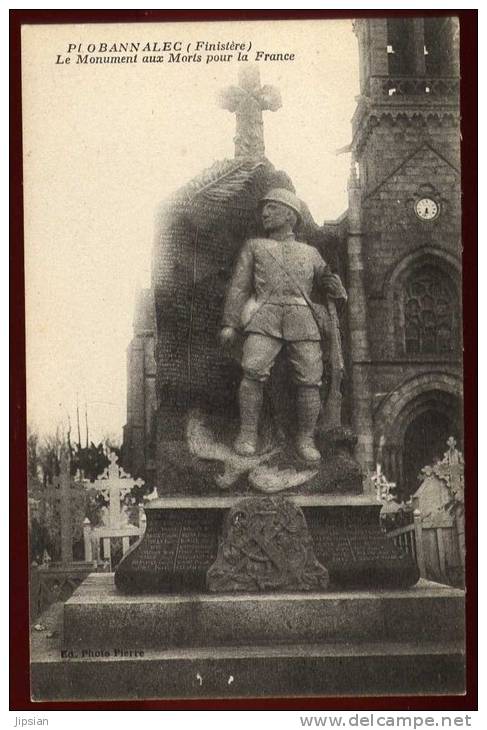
point(425, 442)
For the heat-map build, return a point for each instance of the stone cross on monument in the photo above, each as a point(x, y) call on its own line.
point(248, 100)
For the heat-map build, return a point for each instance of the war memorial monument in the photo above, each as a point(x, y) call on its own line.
point(263, 570)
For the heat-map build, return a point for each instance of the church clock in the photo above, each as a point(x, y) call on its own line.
point(427, 209)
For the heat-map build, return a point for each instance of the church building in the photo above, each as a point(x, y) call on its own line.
point(399, 254)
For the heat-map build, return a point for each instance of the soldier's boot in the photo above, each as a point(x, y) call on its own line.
point(308, 410)
point(250, 403)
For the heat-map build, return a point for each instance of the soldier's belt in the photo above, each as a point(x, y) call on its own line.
point(299, 301)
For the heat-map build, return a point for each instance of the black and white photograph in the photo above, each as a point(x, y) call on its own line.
point(244, 358)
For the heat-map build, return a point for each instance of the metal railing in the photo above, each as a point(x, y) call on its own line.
point(410, 539)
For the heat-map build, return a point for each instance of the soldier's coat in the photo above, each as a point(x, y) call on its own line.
point(270, 290)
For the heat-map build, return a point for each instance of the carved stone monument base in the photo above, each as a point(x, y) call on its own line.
point(200, 460)
point(102, 644)
point(266, 546)
point(181, 544)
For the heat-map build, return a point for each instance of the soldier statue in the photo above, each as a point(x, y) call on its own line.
point(269, 299)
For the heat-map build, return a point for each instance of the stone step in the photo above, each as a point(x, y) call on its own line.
point(94, 615)
point(377, 668)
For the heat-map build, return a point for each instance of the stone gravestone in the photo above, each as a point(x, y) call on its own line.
point(64, 499)
point(441, 494)
point(60, 510)
point(189, 538)
point(113, 485)
point(440, 501)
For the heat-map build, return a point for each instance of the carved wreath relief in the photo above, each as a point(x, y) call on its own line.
point(266, 546)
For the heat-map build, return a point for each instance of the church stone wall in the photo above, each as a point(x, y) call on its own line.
point(391, 138)
point(393, 232)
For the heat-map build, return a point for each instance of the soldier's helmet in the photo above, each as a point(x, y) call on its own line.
point(286, 197)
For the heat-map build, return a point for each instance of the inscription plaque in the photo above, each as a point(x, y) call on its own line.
point(174, 554)
point(350, 542)
point(180, 546)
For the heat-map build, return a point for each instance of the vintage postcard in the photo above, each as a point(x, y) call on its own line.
point(243, 268)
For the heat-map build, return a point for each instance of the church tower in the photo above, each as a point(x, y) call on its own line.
point(404, 244)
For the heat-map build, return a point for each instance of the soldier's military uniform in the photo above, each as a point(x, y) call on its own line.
point(270, 307)
point(269, 298)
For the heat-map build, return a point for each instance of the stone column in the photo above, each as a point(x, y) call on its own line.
point(361, 29)
point(357, 318)
point(379, 62)
point(418, 46)
point(455, 46)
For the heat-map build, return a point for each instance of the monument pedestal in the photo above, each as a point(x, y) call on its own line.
point(109, 645)
point(181, 541)
point(155, 629)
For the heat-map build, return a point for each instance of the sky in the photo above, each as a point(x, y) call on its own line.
point(104, 144)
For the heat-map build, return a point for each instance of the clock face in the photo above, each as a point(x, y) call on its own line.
point(427, 209)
